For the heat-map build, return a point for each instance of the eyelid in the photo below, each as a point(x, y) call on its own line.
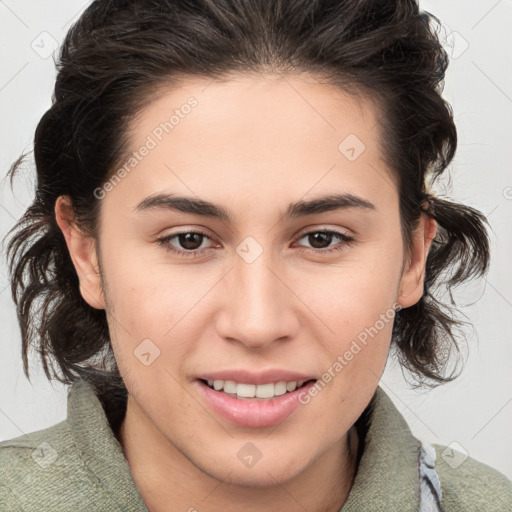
point(164, 241)
point(345, 241)
point(325, 228)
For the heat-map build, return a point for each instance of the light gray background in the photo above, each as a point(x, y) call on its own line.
point(474, 412)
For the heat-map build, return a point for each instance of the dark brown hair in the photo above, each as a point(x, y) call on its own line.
point(113, 62)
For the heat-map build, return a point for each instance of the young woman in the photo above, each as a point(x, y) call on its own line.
point(233, 224)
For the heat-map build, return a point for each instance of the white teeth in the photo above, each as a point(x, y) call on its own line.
point(290, 386)
point(251, 390)
point(265, 391)
point(280, 388)
point(230, 386)
point(245, 390)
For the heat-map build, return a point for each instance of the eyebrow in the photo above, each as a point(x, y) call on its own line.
point(295, 210)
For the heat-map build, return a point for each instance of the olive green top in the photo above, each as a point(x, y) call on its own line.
point(78, 465)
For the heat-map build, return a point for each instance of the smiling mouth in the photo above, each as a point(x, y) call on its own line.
point(252, 392)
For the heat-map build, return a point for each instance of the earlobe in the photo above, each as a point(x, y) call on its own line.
point(82, 250)
point(413, 276)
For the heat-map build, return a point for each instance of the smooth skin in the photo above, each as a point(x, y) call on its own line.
point(253, 145)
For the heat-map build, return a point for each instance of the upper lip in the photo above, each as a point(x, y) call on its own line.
point(264, 377)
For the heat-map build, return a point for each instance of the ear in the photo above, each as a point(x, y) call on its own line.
point(82, 249)
point(413, 275)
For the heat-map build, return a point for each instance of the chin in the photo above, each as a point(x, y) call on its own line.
point(264, 473)
point(265, 476)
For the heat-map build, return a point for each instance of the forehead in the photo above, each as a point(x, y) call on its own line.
point(271, 135)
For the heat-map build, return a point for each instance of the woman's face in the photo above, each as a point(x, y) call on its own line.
point(261, 295)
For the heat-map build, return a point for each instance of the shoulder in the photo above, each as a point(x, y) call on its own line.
point(26, 463)
point(33, 452)
point(468, 484)
point(44, 471)
point(77, 464)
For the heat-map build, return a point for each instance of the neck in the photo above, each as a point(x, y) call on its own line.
point(167, 480)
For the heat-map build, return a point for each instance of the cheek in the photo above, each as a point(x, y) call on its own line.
point(135, 284)
point(354, 295)
point(153, 301)
point(357, 303)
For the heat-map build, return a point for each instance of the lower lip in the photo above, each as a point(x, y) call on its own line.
point(253, 413)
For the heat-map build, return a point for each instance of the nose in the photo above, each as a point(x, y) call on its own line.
point(258, 307)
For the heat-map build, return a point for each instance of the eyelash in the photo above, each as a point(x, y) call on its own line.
point(165, 242)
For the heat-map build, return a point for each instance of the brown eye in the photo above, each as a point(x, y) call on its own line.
point(187, 243)
point(190, 241)
point(320, 241)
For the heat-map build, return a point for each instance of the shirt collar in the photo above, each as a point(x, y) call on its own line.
point(387, 476)
point(99, 448)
